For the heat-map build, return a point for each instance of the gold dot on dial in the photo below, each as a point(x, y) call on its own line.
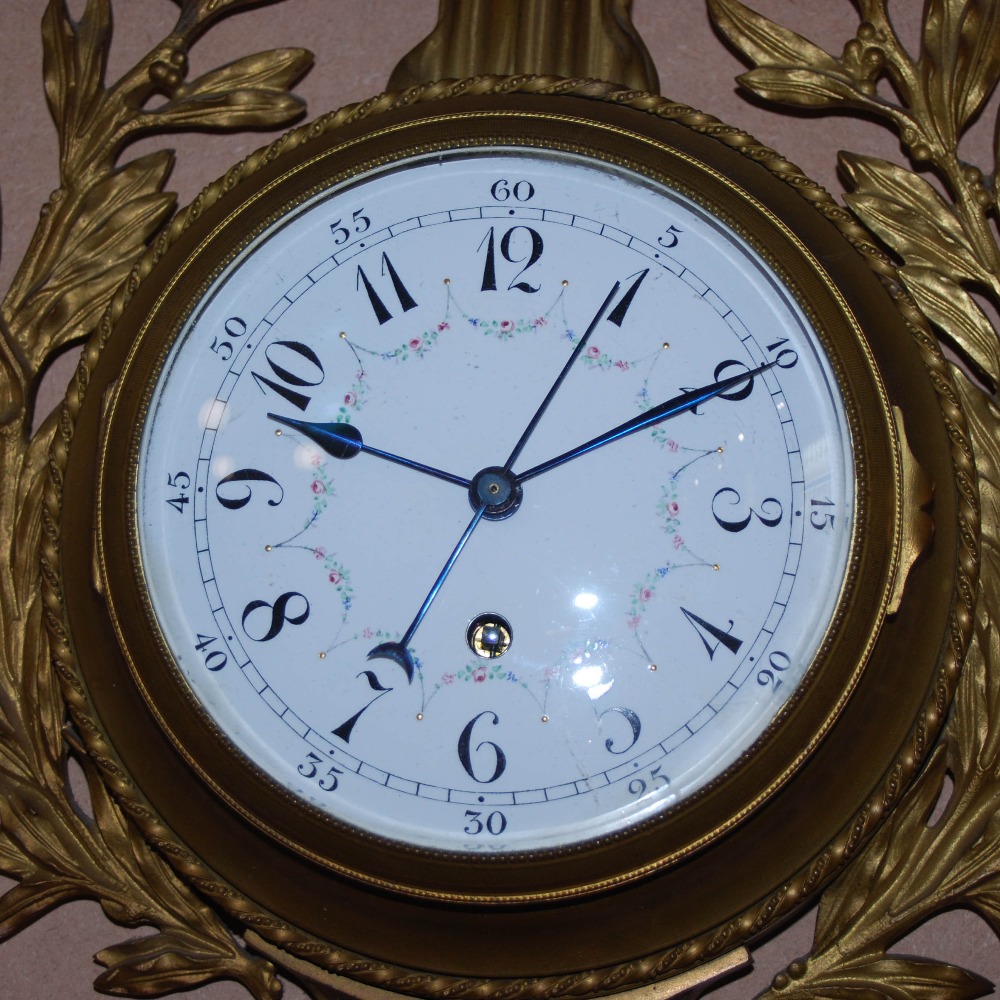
point(268, 548)
point(343, 335)
point(652, 667)
point(420, 716)
point(545, 718)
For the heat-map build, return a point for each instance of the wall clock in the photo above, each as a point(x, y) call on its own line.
point(448, 582)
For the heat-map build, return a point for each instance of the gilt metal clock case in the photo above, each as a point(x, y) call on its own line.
point(511, 512)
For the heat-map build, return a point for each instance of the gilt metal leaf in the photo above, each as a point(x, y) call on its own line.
point(30, 900)
point(959, 317)
point(88, 239)
point(75, 60)
point(171, 961)
point(909, 215)
point(247, 93)
point(894, 979)
point(961, 57)
point(765, 42)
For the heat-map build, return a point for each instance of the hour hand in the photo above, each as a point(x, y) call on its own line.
point(344, 441)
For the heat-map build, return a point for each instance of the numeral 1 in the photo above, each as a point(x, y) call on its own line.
point(617, 315)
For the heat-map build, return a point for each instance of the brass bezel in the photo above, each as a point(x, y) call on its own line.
point(669, 881)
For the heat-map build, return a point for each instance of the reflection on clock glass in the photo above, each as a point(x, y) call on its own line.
point(495, 502)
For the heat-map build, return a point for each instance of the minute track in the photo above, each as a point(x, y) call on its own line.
point(323, 540)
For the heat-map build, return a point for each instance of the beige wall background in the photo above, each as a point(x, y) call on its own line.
point(357, 43)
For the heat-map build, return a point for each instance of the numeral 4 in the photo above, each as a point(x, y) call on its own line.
point(712, 636)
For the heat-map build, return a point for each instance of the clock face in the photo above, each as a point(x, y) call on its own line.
point(495, 501)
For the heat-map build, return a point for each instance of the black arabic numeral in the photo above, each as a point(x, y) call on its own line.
point(297, 366)
point(490, 268)
point(770, 513)
point(779, 663)
point(215, 659)
point(235, 328)
point(738, 392)
point(821, 519)
point(344, 730)
point(495, 823)
point(328, 781)
point(406, 301)
point(360, 223)
point(510, 250)
point(503, 190)
point(635, 726)
point(785, 356)
point(179, 481)
point(670, 238)
point(242, 492)
point(618, 314)
point(712, 636)
point(465, 750)
point(280, 615)
point(638, 786)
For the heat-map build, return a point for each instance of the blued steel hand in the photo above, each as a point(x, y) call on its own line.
point(577, 351)
point(397, 651)
point(344, 441)
point(664, 411)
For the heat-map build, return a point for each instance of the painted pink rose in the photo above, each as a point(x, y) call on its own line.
point(479, 675)
point(444, 326)
point(335, 576)
point(593, 352)
point(645, 594)
point(350, 398)
point(415, 343)
point(318, 487)
point(673, 508)
point(506, 324)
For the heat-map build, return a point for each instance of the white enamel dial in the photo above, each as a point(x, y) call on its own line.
point(389, 636)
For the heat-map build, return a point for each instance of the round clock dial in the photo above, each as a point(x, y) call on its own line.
point(492, 502)
point(503, 517)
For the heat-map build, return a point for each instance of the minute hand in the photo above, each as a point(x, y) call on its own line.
point(663, 411)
